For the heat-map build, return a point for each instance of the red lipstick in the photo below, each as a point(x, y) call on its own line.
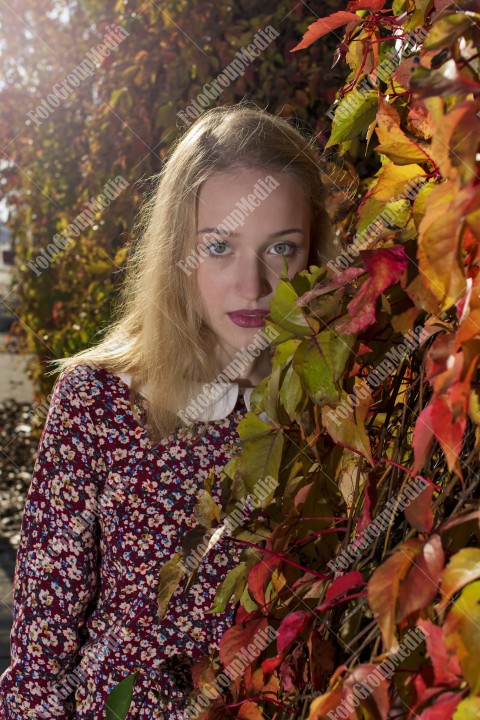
point(248, 318)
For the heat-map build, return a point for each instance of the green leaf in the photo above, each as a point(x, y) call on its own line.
point(320, 362)
point(285, 313)
point(353, 115)
point(120, 697)
point(463, 568)
point(468, 709)
point(291, 392)
point(168, 580)
point(227, 588)
point(262, 450)
point(206, 509)
point(446, 30)
point(461, 632)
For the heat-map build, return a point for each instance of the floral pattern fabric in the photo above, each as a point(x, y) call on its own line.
point(107, 507)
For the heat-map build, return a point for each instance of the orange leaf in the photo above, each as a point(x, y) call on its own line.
point(446, 668)
point(237, 639)
point(422, 582)
point(418, 512)
point(376, 703)
point(250, 711)
point(394, 143)
point(383, 588)
point(439, 245)
point(322, 26)
point(375, 5)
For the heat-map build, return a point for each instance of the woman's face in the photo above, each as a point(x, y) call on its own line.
point(239, 267)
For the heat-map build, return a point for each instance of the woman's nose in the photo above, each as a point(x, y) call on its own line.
point(252, 278)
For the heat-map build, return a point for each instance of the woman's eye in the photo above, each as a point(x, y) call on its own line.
point(215, 249)
point(287, 248)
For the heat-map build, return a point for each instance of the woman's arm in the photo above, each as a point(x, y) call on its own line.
point(56, 576)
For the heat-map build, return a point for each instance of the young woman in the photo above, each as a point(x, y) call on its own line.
point(137, 424)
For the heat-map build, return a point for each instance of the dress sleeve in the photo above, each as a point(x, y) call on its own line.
point(56, 571)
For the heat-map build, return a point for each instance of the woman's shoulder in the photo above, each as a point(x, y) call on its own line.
point(89, 382)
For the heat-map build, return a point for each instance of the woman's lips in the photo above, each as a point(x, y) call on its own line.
point(248, 320)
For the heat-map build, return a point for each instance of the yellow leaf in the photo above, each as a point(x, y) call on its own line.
point(439, 247)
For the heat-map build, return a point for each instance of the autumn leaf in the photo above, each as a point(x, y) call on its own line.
point(237, 639)
point(446, 667)
point(463, 568)
point(384, 586)
point(168, 580)
point(328, 703)
point(394, 143)
point(439, 255)
point(250, 711)
point(376, 703)
point(384, 267)
point(322, 26)
point(461, 632)
point(421, 584)
point(339, 587)
point(374, 5)
point(353, 115)
point(259, 575)
point(418, 512)
point(320, 362)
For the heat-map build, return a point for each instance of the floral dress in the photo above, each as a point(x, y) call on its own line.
point(107, 507)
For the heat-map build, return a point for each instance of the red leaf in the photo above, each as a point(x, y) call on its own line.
point(340, 586)
point(384, 266)
point(419, 511)
point(258, 576)
point(422, 438)
point(446, 668)
point(422, 582)
point(237, 638)
point(443, 708)
point(383, 588)
point(449, 433)
point(322, 26)
point(268, 666)
point(374, 5)
point(291, 627)
point(377, 703)
point(370, 499)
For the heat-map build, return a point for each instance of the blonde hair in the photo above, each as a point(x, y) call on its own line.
point(158, 335)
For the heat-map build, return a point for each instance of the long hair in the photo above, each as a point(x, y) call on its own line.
point(158, 335)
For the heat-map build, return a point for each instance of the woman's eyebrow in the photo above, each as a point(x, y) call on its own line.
point(220, 231)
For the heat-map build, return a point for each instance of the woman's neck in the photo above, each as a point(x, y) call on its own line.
point(259, 369)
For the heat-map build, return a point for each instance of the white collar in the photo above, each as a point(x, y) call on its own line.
point(222, 405)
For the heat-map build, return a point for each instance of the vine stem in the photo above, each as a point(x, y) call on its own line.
point(260, 698)
point(277, 555)
point(347, 598)
point(395, 464)
point(317, 533)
